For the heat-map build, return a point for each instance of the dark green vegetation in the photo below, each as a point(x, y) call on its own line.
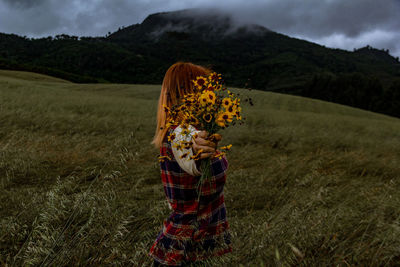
point(248, 56)
point(309, 182)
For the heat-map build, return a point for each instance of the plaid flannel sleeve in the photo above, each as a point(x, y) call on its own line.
point(219, 167)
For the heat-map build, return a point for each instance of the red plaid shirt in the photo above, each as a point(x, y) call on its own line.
point(195, 230)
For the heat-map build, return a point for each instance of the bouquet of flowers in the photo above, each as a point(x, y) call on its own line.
point(211, 107)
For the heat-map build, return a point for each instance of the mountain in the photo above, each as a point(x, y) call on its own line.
point(247, 56)
point(197, 24)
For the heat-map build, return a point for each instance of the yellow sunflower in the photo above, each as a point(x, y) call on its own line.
point(210, 96)
point(193, 120)
point(171, 137)
point(184, 155)
point(197, 155)
point(166, 109)
point(200, 82)
point(219, 155)
point(207, 117)
point(189, 98)
point(170, 123)
point(226, 102)
point(178, 146)
point(237, 113)
point(203, 99)
point(163, 158)
point(223, 119)
point(186, 121)
point(226, 147)
point(236, 101)
point(214, 77)
point(187, 144)
point(185, 132)
point(209, 108)
point(210, 87)
point(231, 110)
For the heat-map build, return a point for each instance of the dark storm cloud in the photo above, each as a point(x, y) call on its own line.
point(319, 18)
point(335, 23)
point(75, 17)
point(24, 3)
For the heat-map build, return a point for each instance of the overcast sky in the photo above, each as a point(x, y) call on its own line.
point(343, 24)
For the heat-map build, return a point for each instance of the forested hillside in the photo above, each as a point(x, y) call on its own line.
point(247, 55)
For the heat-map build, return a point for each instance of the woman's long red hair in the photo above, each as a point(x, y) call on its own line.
point(177, 82)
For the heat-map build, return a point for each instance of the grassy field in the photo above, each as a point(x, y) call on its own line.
point(309, 182)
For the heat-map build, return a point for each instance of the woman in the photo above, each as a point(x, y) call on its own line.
point(195, 230)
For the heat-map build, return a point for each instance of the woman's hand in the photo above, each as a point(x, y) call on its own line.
point(208, 146)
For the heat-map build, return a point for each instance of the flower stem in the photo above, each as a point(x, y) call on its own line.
point(205, 167)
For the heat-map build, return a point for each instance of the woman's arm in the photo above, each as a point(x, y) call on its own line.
point(209, 147)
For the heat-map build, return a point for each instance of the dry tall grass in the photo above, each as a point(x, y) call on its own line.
point(310, 183)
